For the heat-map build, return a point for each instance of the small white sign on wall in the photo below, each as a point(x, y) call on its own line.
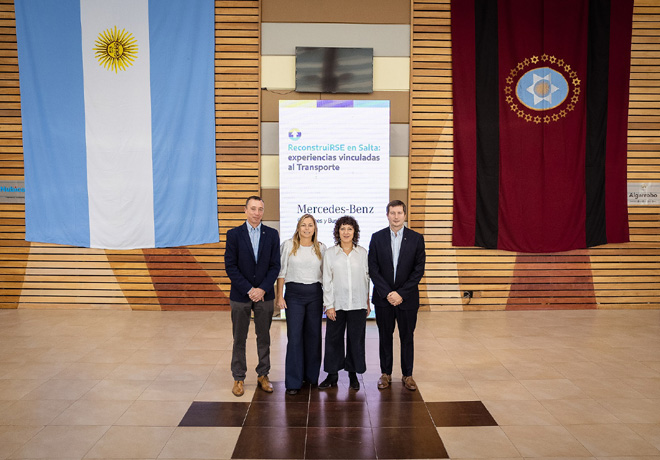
point(12, 191)
point(644, 193)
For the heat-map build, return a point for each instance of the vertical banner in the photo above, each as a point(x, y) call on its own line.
point(540, 123)
point(334, 161)
point(117, 100)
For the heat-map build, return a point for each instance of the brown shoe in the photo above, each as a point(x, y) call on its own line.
point(384, 381)
point(238, 388)
point(409, 383)
point(264, 384)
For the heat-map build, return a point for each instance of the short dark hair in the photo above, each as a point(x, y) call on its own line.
point(347, 220)
point(395, 203)
point(253, 197)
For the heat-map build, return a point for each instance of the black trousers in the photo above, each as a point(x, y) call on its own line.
point(352, 357)
point(386, 318)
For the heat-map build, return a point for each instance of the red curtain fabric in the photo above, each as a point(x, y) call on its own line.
point(540, 123)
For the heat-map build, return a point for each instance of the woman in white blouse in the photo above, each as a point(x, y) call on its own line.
point(301, 263)
point(346, 302)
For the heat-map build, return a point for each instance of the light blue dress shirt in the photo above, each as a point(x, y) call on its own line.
point(255, 235)
point(397, 238)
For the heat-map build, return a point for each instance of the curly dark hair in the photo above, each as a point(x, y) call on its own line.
point(346, 220)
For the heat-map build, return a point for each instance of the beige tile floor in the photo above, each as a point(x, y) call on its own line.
point(102, 384)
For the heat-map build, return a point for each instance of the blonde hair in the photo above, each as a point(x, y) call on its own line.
point(315, 241)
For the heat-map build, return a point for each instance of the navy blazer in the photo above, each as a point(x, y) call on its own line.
point(409, 270)
point(246, 273)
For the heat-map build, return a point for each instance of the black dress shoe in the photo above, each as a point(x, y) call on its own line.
point(292, 391)
point(354, 383)
point(330, 381)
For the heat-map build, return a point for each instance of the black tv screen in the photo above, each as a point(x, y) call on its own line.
point(334, 70)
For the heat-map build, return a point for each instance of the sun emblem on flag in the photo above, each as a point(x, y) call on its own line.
point(116, 49)
point(542, 89)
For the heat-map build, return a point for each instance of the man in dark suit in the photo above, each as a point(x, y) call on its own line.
point(252, 262)
point(396, 266)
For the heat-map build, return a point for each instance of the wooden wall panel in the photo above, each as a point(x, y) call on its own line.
point(430, 157)
point(611, 276)
point(238, 97)
point(13, 248)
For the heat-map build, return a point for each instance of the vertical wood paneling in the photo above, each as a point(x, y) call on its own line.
point(430, 164)
point(13, 248)
point(238, 108)
point(613, 276)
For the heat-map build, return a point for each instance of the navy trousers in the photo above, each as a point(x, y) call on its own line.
point(352, 358)
point(386, 317)
point(304, 310)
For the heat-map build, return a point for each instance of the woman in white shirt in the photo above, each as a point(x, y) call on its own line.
point(301, 263)
point(346, 302)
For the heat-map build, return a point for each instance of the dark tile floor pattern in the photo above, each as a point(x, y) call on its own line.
point(338, 423)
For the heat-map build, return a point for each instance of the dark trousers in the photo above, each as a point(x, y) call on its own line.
point(386, 317)
point(351, 358)
point(240, 319)
point(304, 310)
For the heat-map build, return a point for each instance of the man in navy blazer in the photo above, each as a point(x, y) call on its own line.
point(252, 262)
point(396, 266)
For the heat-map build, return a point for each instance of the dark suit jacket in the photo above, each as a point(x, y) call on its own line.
point(246, 273)
point(409, 271)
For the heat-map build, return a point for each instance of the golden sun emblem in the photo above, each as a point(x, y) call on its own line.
point(116, 49)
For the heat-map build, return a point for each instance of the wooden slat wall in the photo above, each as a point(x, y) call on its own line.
point(13, 248)
point(612, 276)
point(238, 108)
point(50, 276)
point(430, 156)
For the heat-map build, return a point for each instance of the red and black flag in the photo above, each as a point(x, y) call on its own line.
point(540, 123)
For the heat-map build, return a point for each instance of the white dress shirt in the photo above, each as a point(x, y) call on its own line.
point(345, 279)
point(304, 267)
point(397, 238)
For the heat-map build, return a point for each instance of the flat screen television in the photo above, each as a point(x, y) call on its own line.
point(334, 70)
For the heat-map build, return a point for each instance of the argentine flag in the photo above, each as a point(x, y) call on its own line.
point(117, 102)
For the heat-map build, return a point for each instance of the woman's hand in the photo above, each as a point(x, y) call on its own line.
point(331, 314)
point(279, 294)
